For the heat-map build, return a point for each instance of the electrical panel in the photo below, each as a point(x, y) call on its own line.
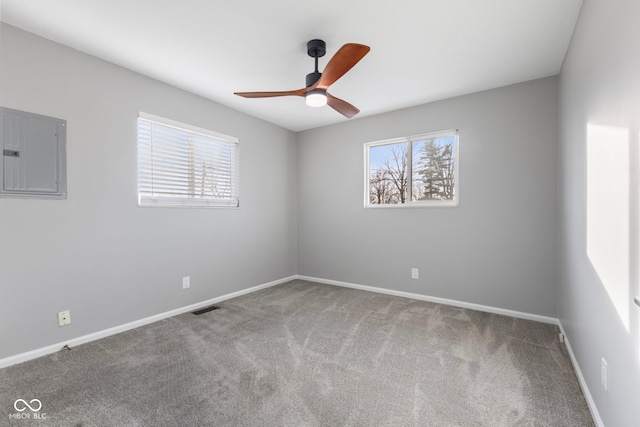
point(33, 162)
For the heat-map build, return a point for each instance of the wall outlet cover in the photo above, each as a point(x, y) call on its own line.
point(64, 318)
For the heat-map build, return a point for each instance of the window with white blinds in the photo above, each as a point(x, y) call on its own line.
point(181, 165)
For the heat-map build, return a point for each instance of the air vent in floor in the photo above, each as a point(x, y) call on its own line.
point(205, 310)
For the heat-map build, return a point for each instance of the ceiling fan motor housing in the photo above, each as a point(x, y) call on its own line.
point(312, 78)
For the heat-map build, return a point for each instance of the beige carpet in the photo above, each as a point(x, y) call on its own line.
point(306, 354)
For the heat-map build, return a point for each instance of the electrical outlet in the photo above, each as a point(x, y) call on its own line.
point(186, 282)
point(64, 318)
point(414, 273)
point(604, 374)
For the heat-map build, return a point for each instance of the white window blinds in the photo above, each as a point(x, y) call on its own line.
point(181, 165)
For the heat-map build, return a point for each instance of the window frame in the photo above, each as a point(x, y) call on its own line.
point(188, 201)
point(409, 140)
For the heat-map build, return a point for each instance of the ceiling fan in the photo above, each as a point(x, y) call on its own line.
point(315, 92)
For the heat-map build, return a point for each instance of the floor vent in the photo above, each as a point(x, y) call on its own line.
point(205, 310)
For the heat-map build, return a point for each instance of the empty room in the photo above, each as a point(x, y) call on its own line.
point(348, 213)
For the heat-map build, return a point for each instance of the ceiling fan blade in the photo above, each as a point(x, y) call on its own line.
point(344, 59)
point(297, 92)
point(342, 107)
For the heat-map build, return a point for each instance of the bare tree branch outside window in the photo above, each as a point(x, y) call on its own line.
point(388, 179)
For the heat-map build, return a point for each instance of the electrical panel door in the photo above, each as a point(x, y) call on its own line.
point(33, 155)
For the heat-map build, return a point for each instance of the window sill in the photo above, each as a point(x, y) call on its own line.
point(413, 205)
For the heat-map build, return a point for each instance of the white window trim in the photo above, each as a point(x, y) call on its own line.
point(410, 203)
point(191, 202)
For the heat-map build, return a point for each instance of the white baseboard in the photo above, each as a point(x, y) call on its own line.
point(23, 357)
point(455, 303)
point(583, 384)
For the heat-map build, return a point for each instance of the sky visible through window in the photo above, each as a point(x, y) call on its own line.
point(379, 153)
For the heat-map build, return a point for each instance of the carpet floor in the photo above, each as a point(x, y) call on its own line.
point(308, 354)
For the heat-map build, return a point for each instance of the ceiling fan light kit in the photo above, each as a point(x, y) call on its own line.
point(315, 92)
point(316, 98)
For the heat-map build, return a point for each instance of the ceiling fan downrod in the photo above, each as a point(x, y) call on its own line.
point(315, 49)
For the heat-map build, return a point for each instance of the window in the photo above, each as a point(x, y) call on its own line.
point(181, 165)
point(420, 170)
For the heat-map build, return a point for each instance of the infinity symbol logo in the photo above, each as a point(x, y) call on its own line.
point(26, 405)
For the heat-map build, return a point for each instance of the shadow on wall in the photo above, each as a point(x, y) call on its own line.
point(613, 219)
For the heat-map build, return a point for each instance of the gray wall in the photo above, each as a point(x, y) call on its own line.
point(498, 248)
point(97, 253)
point(599, 246)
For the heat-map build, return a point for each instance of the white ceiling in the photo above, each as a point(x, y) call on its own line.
point(421, 50)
